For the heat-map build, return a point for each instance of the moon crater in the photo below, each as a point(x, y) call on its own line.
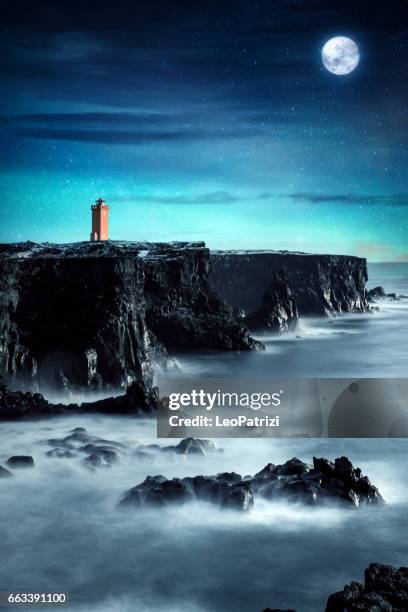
point(340, 55)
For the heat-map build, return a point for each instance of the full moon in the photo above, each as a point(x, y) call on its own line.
point(340, 55)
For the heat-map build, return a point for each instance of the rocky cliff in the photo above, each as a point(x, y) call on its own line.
point(319, 284)
point(99, 314)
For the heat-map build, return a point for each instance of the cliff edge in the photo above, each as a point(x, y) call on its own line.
point(100, 314)
point(315, 284)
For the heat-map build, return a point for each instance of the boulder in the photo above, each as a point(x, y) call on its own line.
point(20, 461)
point(187, 446)
point(157, 491)
point(221, 490)
point(326, 481)
point(378, 293)
point(385, 589)
point(101, 457)
point(194, 446)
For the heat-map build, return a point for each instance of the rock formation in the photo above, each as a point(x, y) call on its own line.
point(278, 311)
point(139, 399)
point(20, 461)
point(323, 483)
point(104, 453)
point(379, 293)
point(98, 314)
point(225, 490)
point(385, 589)
point(321, 284)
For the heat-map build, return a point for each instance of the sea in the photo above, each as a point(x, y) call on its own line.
point(61, 529)
point(371, 345)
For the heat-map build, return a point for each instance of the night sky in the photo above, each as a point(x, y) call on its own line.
point(206, 120)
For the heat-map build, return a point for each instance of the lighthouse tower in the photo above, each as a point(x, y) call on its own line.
point(100, 215)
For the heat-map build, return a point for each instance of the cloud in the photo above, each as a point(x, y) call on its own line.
point(212, 197)
point(90, 118)
point(110, 137)
point(400, 199)
point(118, 127)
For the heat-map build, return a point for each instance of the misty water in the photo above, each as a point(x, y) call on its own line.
point(372, 345)
point(60, 528)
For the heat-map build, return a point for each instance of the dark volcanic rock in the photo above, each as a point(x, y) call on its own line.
point(385, 589)
point(139, 399)
point(294, 480)
point(193, 446)
point(182, 310)
point(101, 457)
point(20, 461)
point(321, 284)
point(219, 490)
point(96, 314)
point(157, 491)
point(379, 293)
point(326, 481)
point(73, 316)
point(188, 446)
point(4, 473)
point(19, 405)
point(100, 453)
point(61, 453)
point(278, 311)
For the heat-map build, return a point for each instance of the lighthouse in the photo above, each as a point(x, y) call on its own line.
point(100, 215)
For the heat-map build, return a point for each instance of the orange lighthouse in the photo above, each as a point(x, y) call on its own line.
point(100, 215)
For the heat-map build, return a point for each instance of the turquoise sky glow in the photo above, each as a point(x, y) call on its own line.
point(235, 134)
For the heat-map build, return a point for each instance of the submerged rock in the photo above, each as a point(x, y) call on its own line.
point(193, 446)
point(324, 482)
point(385, 589)
point(61, 453)
point(187, 446)
point(218, 490)
point(101, 457)
point(20, 461)
point(379, 293)
point(102, 452)
point(157, 491)
point(4, 473)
